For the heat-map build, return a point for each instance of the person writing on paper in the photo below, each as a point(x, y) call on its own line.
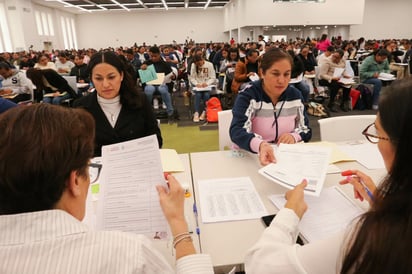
point(51, 85)
point(246, 70)
point(369, 72)
point(330, 78)
point(201, 78)
point(269, 111)
point(377, 242)
point(15, 85)
point(41, 209)
point(160, 66)
point(121, 112)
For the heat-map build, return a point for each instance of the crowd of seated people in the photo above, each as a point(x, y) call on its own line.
point(231, 60)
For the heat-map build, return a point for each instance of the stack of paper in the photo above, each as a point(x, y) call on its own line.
point(297, 162)
point(327, 215)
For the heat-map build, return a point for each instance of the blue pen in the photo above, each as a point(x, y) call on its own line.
point(363, 184)
point(196, 218)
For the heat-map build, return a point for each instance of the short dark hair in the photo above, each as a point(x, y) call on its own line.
point(40, 146)
point(272, 56)
point(330, 48)
point(154, 50)
point(129, 95)
point(383, 52)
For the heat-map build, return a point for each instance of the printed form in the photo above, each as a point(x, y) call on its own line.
point(128, 199)
point(229, 199)
point(297, 162)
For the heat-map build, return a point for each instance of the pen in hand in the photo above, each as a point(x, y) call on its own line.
point(196, 218)
point(349, 175)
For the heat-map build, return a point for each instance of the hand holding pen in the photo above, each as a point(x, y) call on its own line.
point(363, 186)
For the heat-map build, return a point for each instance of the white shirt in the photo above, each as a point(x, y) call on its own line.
point(18, 83)
point(111, 108)
point(53, 241)
point(276, 251)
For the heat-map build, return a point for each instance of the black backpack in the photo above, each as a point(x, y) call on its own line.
point(365, 99)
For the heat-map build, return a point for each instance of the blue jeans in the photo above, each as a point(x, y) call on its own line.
point(377, 86)
point(201, 95)
point(304, 88)
point(56, 100)
point(164, 92)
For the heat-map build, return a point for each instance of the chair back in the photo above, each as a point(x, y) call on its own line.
point(344, 128)
point(71, 80)
point(224, 120)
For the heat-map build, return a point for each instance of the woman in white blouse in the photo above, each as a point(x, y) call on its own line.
point(380, 240)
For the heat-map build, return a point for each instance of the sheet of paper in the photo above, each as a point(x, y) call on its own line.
point(347, 81)
point(338, 72)
point(386, 76)
point(171, 161)
point(160, 80)
point(229, 199)
point(297, 79)
point(254, 77)
point(327, 214)
point(208, 88)
point(128, 200)
point(90, 214)
point(52, 94)
point(365, 153)
point(148, 74)
point(333, 169)
point(336, 155)
point(298, 162)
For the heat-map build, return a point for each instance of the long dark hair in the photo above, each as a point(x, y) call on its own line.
point(382, 239)
point(36, 76)
point(129, 94)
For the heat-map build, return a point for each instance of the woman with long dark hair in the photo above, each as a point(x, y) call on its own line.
point(121, 111)
point(380, 240)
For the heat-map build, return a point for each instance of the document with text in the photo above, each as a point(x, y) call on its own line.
point(327, 215)
point(128, 199)
point(295, 162)
point(229, 199)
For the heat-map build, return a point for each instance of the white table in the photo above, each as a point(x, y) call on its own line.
point(227, 242)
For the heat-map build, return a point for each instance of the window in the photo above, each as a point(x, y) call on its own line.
point(38, 22)
point(50, 21)
point(5, 40)
point(45, 24)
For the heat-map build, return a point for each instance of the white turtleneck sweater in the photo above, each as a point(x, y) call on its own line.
point(111, 108)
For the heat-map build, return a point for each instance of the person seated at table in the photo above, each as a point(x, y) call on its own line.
point(329, 79)
point(201, 77)
point(63, 65)
point(298, 70)
point(6, 105)
point(308, 59)
point(53, 87)
point(121, 111)
point(269, 111)
point(369, 72)
point(41, 209)
point(80, 70)
point(364, 246)
point(43, 62)
point(26, 62)
point(15, 85)
point(323, 57)
point(246, 68)
point(160, 66)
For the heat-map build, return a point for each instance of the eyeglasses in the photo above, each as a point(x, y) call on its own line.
point(372, 135)
point(94, 172)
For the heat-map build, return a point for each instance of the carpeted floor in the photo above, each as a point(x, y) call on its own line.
point(186, 136)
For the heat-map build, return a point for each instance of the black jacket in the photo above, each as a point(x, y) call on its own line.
point(57, 81)
point(80, 72)
point(131, 123)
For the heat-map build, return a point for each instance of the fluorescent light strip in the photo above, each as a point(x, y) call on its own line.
point(117, 3)
point(207, 4)
point(72, 6)
point(164, 4)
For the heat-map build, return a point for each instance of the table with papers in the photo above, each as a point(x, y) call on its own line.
point(228, 241)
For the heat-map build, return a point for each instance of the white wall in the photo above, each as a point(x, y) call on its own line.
point(100, 30)
point(385, 19)
point(240, 13)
